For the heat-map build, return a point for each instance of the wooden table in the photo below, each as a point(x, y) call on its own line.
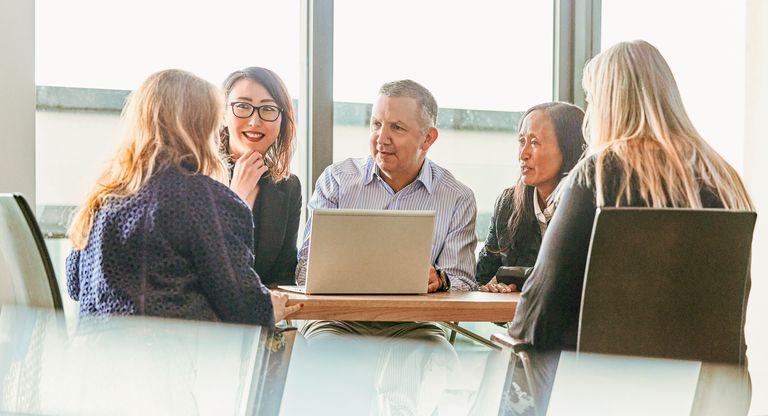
point(442, 306)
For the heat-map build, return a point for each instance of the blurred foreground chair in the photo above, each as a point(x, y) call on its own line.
point(271, 372)
point(666, 283)
point(26, 273)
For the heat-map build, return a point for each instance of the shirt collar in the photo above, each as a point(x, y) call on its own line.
point(371, 170)
point(425, 174)
point(545, 215)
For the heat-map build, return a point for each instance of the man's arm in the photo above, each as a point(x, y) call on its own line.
point(326, 195)
point(457, 259)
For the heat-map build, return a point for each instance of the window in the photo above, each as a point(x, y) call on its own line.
point(485, 64)
point(111, 47)
point(704, 44)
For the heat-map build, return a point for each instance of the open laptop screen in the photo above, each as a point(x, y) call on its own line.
point(369, 251)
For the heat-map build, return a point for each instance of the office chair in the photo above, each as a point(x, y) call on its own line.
point(26, 273)
point(664, 283)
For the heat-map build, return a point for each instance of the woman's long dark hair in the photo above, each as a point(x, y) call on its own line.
point(567, 120)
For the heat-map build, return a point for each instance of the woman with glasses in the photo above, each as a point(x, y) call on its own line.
point(551, 144)
point(145, 242)
point(258, 141)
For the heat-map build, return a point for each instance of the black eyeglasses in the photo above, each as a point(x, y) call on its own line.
point(245, 110)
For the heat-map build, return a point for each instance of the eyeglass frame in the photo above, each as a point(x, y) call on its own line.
point(255, 109)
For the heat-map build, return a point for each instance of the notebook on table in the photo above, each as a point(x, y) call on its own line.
point(368, 252)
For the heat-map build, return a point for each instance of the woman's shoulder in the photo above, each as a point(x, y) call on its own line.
point(504, 204)
point(505, 198)
point(290, 186)
point(182, 188)
point(584, 171)
point(291, 182)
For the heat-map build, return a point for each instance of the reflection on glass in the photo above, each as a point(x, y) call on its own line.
point(125, 365)
point(136, 365)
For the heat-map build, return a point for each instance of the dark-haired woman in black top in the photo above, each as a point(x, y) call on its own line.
point(258, 140)
point(551, 143)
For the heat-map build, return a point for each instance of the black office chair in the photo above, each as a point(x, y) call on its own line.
point(666, 283)
point(26, 273)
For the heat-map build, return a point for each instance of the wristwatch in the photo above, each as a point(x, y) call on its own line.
point(445, 282)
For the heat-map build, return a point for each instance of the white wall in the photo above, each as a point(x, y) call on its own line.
point(17, 97)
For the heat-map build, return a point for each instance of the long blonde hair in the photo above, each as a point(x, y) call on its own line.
point(171, 122)
point(635, 116)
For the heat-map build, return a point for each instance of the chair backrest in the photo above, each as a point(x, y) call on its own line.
point(26, 272)
point(667, 283)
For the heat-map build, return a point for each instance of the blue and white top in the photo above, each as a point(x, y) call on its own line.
point(356, 184)
point(178, 248)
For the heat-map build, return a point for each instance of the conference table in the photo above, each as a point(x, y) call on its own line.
point(448, 308)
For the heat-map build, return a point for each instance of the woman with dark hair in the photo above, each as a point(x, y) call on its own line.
point(258, 141)
point(551, 143)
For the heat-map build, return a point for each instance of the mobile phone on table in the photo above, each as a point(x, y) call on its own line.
point(512, 275)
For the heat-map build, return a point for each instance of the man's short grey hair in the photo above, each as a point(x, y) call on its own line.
point(412, 89)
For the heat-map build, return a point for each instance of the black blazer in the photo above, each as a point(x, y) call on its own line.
point(499, 249)
point(276, 216)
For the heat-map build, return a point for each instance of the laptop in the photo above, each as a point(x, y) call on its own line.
point(368, 252)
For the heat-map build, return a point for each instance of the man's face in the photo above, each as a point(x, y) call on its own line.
point(399, 138)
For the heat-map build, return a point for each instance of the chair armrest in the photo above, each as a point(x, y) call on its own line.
point(516, 345)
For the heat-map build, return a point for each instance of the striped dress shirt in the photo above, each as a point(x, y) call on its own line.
point(356, 184)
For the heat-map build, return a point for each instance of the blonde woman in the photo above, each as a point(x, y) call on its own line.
point(643, 151)
point(160, 234)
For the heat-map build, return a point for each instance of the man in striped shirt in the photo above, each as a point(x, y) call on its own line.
point(398, 176)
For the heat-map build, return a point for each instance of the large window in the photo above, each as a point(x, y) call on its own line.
point(485, 63)
point(704, 44)
point(113, 46)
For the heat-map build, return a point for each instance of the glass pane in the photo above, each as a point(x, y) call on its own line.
point(115, 45)
point(707, 59)
point(485, 63)
point(90, 53)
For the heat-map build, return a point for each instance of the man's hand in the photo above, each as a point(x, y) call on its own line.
point(278, 306)
point(433, 282)
point(496, 287)
point(245, 179)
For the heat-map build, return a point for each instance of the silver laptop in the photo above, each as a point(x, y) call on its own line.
point(368, 252)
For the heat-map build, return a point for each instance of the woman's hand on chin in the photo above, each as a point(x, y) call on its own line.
point(249, 168)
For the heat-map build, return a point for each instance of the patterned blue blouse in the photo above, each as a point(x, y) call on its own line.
point(178, 248)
